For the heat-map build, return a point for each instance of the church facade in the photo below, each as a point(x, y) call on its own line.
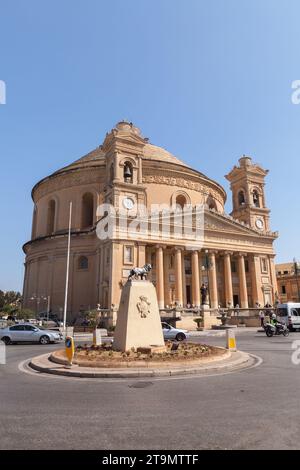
point(235, 257)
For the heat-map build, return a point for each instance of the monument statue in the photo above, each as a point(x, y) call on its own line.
point(204, 292)
point(135, 273)
point(138, 322)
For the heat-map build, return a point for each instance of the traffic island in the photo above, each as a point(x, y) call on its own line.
point(210, 360)
point(171, 354)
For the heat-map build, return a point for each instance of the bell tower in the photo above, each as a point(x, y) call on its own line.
point(124, 149)
point(247, 182)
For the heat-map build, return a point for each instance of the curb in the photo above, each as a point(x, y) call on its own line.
point(237, 361)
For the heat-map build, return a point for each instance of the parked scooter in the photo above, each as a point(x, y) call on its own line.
point(276, 329)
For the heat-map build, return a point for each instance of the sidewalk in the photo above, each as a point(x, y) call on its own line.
point(238, 330)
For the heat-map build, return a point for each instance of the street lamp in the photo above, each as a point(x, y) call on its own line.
point(38, 299)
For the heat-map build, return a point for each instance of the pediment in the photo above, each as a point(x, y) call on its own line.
point(225, 223)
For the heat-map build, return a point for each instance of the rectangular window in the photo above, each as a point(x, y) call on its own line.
point(233, 266)
point(264, 265)
point(187, 265)
point(246, 265)
point(283, 289)
point(128, 254)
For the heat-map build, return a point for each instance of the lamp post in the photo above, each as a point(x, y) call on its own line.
point(38, 299)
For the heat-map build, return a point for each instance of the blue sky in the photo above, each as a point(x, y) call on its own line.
point(209, 80)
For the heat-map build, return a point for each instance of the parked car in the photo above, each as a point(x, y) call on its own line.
point(28, 333)
point(170, 332)
point(48, 323)
point(289, 314)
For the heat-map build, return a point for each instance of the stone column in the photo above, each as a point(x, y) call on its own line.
point(141, 254)
point(228, 280)
point(242, 281)
point(160, 277)
point(140, 173)
point(273, 277)
point(166, 279)
point(183, 280)
point(257, 293)
point(213, 286)
point(195, 279)
point(178, 277)
point(148, 257)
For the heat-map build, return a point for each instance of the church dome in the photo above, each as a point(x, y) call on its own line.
point(151, 154)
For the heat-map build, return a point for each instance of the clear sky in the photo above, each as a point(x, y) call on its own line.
point(209, 80)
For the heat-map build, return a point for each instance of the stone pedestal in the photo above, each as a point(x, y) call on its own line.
point(138, 322)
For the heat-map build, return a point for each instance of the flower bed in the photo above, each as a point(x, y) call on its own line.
point(105, 356)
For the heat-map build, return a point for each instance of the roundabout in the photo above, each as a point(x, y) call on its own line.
point(190, 411)
point(222, 361)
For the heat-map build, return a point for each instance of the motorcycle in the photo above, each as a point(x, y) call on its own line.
point(277, 329)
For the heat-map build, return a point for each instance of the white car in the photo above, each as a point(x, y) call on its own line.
point(170, 332)
point(28, 333)
point(289, 314)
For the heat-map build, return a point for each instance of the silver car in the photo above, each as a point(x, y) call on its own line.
point(28, 333)
point(170, 332)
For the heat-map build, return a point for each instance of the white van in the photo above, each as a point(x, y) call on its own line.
point(289, 314)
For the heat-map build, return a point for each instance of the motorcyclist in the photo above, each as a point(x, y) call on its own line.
point(273, 319)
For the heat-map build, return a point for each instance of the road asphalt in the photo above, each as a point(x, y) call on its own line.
point(256, 408)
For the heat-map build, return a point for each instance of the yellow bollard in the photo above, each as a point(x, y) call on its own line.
point(230, 340)
point(70, 349)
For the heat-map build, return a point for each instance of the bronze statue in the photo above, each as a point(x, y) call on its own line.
point(204, 292)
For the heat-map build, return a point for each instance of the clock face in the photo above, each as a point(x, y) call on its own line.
point(128, 203)
point(259, 224)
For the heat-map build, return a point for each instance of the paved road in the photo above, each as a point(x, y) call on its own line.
point(251, 409)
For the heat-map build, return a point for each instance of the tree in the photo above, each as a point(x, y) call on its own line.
point(9, 298)
point(92, 317)
point(25, 314)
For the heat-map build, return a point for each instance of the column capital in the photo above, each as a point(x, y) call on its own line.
point(242, 255)
point(227, 253)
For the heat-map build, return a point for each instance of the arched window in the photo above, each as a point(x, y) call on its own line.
point(180, 200)
point(128, 172)
point(256, 201)
point(87, 214)
point(241, 198)
point(51, 217)
point(83, 262)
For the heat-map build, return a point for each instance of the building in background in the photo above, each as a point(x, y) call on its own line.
point(288, 280)
point(236, 259)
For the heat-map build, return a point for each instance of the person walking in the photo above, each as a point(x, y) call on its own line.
point(262, 318)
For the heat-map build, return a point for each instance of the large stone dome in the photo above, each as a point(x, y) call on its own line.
point(152, 156)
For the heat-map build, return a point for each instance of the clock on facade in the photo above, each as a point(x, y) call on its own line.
point(259, 224)
point(128, 203)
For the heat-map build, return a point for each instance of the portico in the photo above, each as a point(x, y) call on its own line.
point(226, 288)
